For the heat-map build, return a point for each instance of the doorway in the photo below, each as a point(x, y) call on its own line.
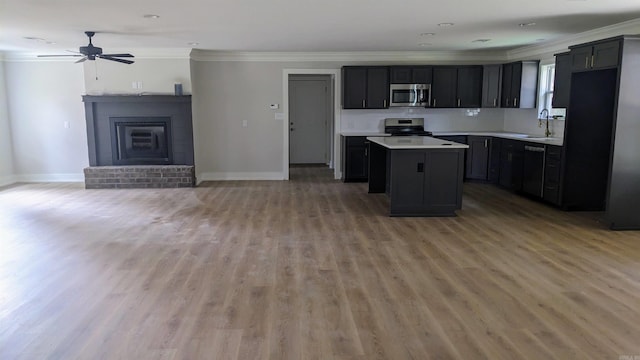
point(310, 119)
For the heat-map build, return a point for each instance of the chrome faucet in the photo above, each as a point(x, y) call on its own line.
point(545, 113)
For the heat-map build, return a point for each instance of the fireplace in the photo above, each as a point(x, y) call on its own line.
point(141, 141)
point(139, 130)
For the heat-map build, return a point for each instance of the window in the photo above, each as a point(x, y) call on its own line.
point(547, 77)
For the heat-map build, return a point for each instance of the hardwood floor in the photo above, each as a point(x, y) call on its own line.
point(308, 269)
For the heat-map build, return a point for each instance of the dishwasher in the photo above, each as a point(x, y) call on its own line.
point(533, 170)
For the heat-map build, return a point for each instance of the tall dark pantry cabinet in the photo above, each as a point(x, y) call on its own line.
point(602, 135)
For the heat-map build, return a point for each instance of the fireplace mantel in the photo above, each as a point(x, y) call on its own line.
point(101, 110)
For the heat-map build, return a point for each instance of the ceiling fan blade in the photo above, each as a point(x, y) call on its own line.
point(118, 55)
point(58, 55)
point(81, 60)
point(115, 59)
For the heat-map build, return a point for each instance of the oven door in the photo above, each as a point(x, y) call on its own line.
point(410, 95)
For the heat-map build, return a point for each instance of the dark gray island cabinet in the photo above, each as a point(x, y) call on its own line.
point(421, 175)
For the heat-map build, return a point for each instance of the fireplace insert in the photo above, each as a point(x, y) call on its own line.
point(141, 141)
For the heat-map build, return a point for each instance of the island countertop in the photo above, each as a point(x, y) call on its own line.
point(415, 142)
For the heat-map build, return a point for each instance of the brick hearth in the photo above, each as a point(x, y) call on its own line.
point(139, 176)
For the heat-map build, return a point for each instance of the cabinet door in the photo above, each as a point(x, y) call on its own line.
point(469, 86)
point(507, 73)
point(562, 81)
point(377, 88)
point(511, 164)
point(407, 177)
point(494, 160)
point(422, 75)
point(491, 79)
point(443, 89)
point(356, 162)
point(516, 84)
point(354, 87)
point(401, 75)
point(581, 58)
point(606, 55)
point(478, 157)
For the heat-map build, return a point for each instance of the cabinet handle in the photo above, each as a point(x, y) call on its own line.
point(494, 102)
point(363, 103)
point(458, 102)
point(592, 61)
point(515, 102)
point(586, 62)
point(366, 152)
point(486, 141)
point(384, 103)
point(507, 102)
point(434, 102)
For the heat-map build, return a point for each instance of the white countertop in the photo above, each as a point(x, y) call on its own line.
point(415, 142)
point(540, 139)
point(362, 133)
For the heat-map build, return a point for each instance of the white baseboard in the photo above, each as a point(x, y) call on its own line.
point(49, 178)
point(7, 180)
point(220, 176)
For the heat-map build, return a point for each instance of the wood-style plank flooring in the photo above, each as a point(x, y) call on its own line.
point(308, 269)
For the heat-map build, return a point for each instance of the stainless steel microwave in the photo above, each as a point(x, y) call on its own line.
point(410, 95)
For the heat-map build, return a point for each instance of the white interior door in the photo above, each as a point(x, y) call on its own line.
point(309, 106)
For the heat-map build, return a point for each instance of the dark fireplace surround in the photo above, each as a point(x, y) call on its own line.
point(139, 130)
point(139, 141)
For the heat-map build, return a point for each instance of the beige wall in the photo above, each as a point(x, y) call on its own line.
point(157, 76)
point(6, 151)
point(42, 96)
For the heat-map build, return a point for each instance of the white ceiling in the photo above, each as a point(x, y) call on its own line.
point(301, 25)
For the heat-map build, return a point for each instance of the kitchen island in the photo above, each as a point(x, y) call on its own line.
point(421, 175)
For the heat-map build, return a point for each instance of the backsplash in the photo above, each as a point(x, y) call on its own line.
point(511, 120)
point(434, 119)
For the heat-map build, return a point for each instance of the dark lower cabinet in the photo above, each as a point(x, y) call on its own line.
point(511, 164)
point(478, 157)
point(552, 174)
point(494, 160)
point(355, 160)
point(533, 169)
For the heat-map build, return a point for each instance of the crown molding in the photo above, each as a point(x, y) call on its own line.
point(630, 27)
point(169, 53)
point(397, 57)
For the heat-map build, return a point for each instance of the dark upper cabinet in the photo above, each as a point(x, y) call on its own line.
point(469, 86)
point(520, 84)
point(562, 81)
point(478, 157)
point(411, 74)
point(443, 88)
point(456, 86)
point(594, 56)
point(491, 79)
point(365, 87)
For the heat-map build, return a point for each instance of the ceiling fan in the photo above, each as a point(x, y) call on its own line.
point(91, 52)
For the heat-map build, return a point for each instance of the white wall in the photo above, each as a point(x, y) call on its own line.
point(42, 96)
point(6, 151)
point(157, 76)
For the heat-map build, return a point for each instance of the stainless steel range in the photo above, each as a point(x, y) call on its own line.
point(405, 127)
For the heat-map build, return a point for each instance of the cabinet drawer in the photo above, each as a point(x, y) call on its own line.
point(554, 152)
point(552, 172)
point(551, 193)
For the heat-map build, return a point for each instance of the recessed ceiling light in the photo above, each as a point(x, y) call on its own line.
point(51, 42)
point(526, 24)
point(33, 38)
point(427, 34)
point(424, 44)
point(151, 16)
point(193, 43)
point(445, 24)
point(481, 40)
